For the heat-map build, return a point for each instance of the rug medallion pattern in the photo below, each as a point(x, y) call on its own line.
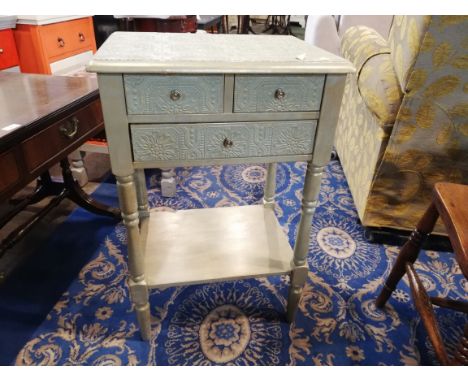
point(242, 322)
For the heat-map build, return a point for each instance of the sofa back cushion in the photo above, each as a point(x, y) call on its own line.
point(405, 39)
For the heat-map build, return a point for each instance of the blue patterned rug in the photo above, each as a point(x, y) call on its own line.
point(242, 322)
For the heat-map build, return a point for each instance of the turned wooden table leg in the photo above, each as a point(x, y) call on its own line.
point(142, 193)
point(301, 249)
point(408, 253)
point(270, 186)
point(138, 288)
point(168, 183)
point(143, 207)
point(78, 168)
point(76, 194)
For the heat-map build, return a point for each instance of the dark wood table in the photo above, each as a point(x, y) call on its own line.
point(44, 118)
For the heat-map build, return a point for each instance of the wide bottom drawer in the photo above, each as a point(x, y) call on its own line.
point(199, 141)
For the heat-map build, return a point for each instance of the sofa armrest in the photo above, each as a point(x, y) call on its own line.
point(376, 79)
point(359, 43)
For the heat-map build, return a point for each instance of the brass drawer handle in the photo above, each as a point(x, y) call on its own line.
point(280, 94)
point(70, 128)
point(175, 95)
point(227, 143)
point(1, 50)
point(81, 36)
point(61, 42)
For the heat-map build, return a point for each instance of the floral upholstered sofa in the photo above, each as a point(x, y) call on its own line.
point(403, 123)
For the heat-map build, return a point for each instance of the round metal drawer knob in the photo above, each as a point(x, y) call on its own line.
point(1, 50)
point(61, 42)
point(280, 94)
point(175, 95)
point(227, 143)
point(70, 128)
point(81, 36)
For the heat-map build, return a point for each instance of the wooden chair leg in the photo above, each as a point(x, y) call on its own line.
point(424, 307)
point(408, 253)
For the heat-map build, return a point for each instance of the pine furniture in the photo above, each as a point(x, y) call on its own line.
point(197, 99)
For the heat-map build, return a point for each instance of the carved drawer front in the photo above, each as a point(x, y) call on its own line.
point(222, 140)
point(277, 93)
point(174, 94)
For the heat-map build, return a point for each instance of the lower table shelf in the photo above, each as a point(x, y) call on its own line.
point(214, 244)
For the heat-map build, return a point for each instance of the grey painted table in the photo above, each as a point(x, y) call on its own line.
point(198, 99)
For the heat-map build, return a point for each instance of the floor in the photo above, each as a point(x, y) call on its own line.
point(97, 166)
point(77, 295)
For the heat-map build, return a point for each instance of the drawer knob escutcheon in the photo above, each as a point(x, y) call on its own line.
point(227, 143)
point(70, 128)
point(175, 95)
point(61, 42)
point(81, 36)
point(280, 94)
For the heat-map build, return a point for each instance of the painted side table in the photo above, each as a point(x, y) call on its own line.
point(198, 99)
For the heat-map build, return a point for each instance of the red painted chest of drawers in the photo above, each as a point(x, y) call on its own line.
point(43, 48)
point(8, 53)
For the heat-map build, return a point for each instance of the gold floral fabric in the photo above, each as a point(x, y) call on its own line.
point(429, 141)
point(359, 43)
point(391, 170)
point(376, 80)
point(405, 38)
point(360, 136)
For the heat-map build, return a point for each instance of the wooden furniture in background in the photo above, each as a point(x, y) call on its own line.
point(178, 100)
point(59, 45)
point(173, 24)
point(54, 45)
point(450, 203)
point(42, 120)
point(155, 23)
point(213, 24)
point(8, 54)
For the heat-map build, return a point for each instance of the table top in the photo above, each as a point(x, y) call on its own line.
point(46, 19)
point(28, 99)
point(152, 52)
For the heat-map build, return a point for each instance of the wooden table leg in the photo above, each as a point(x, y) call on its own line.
point(77, 195)
point(168, 183)
point(309, 203)
point(138, 288)
point(270, 186)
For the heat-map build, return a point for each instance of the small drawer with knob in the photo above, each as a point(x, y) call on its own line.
point(174, 94)
point(63, 39)
point(276, 93)
point(182, 143)
point(52, 142)
point(8, 54)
